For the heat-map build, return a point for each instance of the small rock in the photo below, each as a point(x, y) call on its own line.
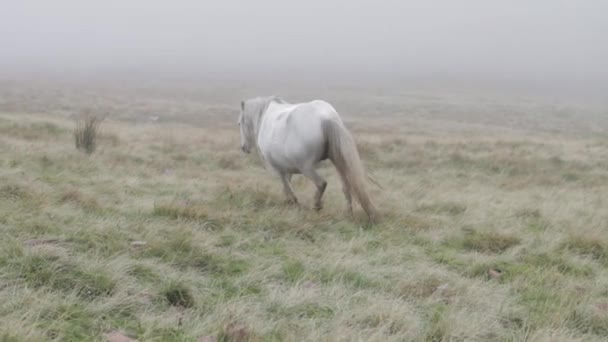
point(137, 244)
point(116, 336)
point(494, 273)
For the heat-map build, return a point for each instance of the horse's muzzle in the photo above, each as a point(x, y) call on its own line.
point(245, 149)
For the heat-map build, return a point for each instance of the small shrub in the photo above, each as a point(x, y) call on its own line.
point(85, 134)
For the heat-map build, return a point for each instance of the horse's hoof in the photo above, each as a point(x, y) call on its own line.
point(318, 207)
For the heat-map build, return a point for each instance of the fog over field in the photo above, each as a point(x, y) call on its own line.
point(129, 212)
point(545, 43)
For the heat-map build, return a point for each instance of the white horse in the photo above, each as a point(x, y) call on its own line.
point(295, 138)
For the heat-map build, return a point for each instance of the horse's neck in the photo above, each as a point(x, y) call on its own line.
point(270, 107)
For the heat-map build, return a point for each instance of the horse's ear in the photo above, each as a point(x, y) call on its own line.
point(243, 105)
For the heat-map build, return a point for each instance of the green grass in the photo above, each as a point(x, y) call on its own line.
point(589, 245)
point(168, 233)
point(56, 273)
point(484, 241)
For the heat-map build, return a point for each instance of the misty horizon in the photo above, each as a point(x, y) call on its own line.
point(542, 42)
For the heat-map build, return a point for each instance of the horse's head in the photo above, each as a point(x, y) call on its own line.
point(246, 129)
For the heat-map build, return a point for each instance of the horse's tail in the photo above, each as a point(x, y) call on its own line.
point(343, 153)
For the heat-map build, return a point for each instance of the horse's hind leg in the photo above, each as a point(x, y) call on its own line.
point(347, 196)
point(320, 183)
point(287, 189)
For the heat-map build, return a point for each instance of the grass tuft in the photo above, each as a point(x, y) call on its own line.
point(420, 288)
point(590, 319)
point(293, 271)
point(443, 208)
point(68, 322)
point(178, 294)
point(588, 245)
point(58, 274)
point(185, 210)
point(437, 327)
point(485, 242)
point(16, 192)
point(76, 197)
point(85, 133)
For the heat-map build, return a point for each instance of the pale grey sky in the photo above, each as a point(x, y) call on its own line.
point(516, 39)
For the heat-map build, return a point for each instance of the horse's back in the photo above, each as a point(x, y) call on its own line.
point(320, 108)
point(305, 121)
point(298, 137)
point(309, 116)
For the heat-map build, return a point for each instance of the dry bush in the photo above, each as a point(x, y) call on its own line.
point(85, 133)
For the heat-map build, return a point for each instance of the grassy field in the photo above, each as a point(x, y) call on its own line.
point(494, 222)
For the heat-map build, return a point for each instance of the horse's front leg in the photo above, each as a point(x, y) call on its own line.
point(287, 189)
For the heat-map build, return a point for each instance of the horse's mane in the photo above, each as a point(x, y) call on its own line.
point(257, 107)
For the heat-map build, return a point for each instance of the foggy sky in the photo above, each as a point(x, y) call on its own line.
point(516, 39)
